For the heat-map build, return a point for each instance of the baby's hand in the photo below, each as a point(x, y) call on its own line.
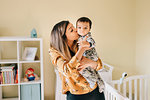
point(84, 44)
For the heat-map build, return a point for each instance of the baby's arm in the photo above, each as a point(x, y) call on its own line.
point(91, 41)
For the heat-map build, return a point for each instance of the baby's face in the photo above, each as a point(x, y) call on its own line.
point(83, 28)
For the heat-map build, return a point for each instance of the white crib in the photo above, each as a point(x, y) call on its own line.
point(112, 94)
point(134, 87)
point(106, 74)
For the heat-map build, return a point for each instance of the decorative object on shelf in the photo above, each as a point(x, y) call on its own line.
point(30, 75)
point(33, 33)
point(29, 53)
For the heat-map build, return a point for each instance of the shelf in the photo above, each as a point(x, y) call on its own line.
point(10, 99)
point(8, 84)
point(22, 83)
point(8, 61)
point(19, 39)
point(35, 61)
point(12, 61)
point(30, 82)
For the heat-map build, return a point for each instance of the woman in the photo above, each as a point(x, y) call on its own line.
point(68, 61)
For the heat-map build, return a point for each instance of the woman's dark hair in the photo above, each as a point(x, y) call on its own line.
point(85, 19)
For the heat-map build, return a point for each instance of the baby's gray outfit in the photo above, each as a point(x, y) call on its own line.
point(89, 73)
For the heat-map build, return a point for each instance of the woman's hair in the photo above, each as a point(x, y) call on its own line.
point(85, 19)
point(58, 39)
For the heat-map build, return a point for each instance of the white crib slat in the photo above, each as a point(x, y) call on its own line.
point(111, 96)
point(146, 89)
point(130, 89)
point(141, 89)
point(118, 87)
point(108, 96)
point(105, 94)
point(135, 89)
point(124, 89)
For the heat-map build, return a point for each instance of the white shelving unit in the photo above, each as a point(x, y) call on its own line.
point(18, 44)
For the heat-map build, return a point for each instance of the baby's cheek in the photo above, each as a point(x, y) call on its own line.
point(78, 31)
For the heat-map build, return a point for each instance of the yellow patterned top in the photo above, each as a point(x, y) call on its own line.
point(71, 79)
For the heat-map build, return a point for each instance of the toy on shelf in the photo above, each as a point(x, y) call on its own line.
point(30, 75)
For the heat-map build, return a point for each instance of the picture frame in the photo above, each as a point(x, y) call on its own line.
point(29, 53)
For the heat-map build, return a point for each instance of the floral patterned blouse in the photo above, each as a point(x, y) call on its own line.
point(71, 79)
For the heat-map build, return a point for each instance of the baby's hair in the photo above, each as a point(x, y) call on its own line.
point(85, 19)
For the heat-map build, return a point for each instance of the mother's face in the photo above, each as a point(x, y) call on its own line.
point(71, 32)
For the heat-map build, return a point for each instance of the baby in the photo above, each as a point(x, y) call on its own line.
point(83, 25)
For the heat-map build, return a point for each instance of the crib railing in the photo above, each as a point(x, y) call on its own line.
point(113, 94)
point(134, 87)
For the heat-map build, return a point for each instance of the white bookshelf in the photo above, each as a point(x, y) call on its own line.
point(19, 44)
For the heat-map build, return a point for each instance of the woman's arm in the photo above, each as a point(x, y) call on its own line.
point(85, 62)
point(68, 68)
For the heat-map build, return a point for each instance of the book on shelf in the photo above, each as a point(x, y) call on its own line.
point(16, 77)
point(8, 74)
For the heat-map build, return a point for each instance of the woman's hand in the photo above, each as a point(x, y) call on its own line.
point(85, 62)
point(83, 44)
